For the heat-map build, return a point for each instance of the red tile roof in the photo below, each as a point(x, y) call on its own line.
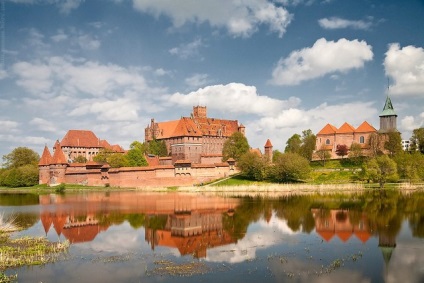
point(268, 143)
point(346, 128)
point(46, 157)
point(365, 127)
point(328, 130)
point(58, 155)
point(80, 138)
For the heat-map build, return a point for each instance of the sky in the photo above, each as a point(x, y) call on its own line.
point(277, 66)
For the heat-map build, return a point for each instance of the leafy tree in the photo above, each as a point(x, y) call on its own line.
point(20, 156)
point(28, 175)
point(80, 159)
point(235, 146)
point(252, 166)
point(103, 155)
point(393, 143)
point(293, 144)
point(117, 160)
point(407, 165)
point(136, 158)
point(275, 154)
point(290, 167)
point(141, 146)
point(380, 169)
point(355, 153)
point(342, 150)
point(417, 140)
point(308, 144)
point(323, 154)
point(157, 147)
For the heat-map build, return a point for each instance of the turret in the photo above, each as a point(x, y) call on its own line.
point(44, 166)
point(268, 150)
point(58, 166)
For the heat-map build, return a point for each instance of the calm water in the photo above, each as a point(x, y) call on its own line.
point(175, 237)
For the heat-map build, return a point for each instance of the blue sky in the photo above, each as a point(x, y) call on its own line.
point(279, 67)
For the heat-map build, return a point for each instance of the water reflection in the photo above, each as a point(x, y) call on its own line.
point(277, 238)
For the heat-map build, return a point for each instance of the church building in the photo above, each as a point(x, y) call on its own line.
point(329, 137)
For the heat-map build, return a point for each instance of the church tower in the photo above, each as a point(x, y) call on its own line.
point(388, 117)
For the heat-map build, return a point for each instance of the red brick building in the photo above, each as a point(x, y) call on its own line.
point(197, 138)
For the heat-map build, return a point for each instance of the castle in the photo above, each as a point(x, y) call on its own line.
point(197, 139)
point(329, 137)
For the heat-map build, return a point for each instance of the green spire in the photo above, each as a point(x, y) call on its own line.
point(388, 108)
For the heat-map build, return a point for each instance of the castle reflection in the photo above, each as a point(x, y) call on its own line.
point(190, 223)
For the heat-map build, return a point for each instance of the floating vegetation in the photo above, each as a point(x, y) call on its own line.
point(166, 267)
point(7, 224)
point(28, 251)
point(112, 259)
point(7, 279)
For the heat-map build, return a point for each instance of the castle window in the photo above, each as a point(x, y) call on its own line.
point(327, 141)
point(361, 139)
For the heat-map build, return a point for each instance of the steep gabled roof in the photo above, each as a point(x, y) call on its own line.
point(166, 129)
point(46, 157)
point(80, 138)
point(328, 130)
point(365, 127)
point(268, 143)
point(58, 155)
point(346, 128)
point(388, 109)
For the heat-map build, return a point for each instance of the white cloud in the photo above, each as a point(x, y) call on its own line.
point(3, 74)
point(240, 18)
point(406, 67)
point(234, 98)
point(66, 6)
point(8, 126)
point(197, 80)
point(34, 77)
point(410, 123)
point(43, 125)
point(324, 57)
point(188, 50)
point(60, 36)
point(87, 42)
point(121, 109)
point(339, 23)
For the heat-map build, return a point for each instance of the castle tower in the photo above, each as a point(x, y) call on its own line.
point(44, 166)
point(242, 129)
point(199, 112)
point(58, 166)
point(268, 151)
point(388, 117)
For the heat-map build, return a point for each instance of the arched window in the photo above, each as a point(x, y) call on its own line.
point(361, 139)
point(327, 141)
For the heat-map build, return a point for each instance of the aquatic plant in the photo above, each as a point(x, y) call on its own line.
point(7, 223)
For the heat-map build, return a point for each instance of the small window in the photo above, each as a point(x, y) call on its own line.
point(361, 139)
point(327, 141)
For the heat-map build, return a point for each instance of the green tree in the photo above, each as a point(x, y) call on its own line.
point(355, 153)
point(235, 146)
point(380, 169)
point(417, 140)
point(290, 167)
point(117, 160)
point(252, 166)
point(323, 154)
point(136, 158)
point(157, 147)
point(103, 155)
point(407, 165)
point(20, 156)
point(275, 154)
point(308, 144)
point(393, 143)
point(80, 159)
point(293, 144)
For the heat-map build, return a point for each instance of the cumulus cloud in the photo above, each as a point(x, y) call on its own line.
point(324, 57)
point(74, 37)
point(43, 125)
point(234, 98)
point(406, 67)
point(339, 23)
point(240, 18)
point(410, 123)
point(8, 126)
